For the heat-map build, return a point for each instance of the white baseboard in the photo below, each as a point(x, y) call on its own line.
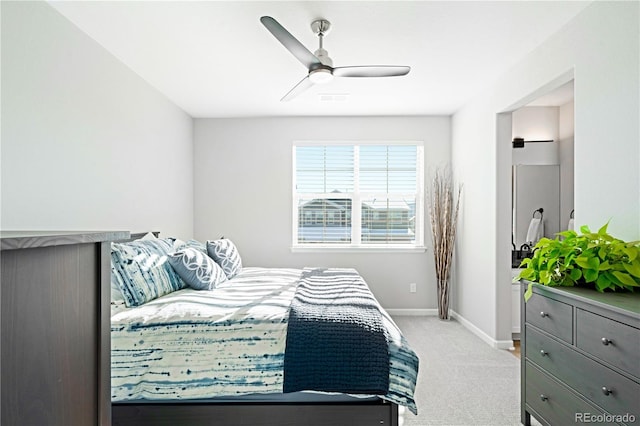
point(498, 344)
point(412, 312)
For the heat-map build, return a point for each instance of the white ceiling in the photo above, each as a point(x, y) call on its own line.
point(215, 59)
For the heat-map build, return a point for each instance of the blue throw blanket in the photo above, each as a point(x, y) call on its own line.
point(336, 340)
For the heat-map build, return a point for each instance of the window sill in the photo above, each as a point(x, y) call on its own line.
point(361, 249)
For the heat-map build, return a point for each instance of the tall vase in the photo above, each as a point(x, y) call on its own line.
point(443, 299)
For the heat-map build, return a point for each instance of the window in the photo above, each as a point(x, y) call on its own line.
point(368, 194)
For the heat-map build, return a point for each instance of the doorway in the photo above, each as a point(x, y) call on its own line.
point(545, 115)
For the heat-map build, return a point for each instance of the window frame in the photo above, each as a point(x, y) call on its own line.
point(356, 245)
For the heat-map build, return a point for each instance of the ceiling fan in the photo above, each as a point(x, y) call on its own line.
point(319, 64)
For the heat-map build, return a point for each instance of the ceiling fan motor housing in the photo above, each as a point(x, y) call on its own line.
point(323, 56)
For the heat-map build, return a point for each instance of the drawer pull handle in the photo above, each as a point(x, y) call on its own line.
point(544, 314)
point(606, 391)
point(543, 352)
point(606, 341)
point(544, 398)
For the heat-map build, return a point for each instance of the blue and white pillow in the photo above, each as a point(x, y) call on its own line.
point(197, 269)
point(117, 299)
point(179, 244)
point(225, 253)
point(142, 270)
point(116, 293)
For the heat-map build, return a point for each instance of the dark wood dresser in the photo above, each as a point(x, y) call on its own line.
point(55, 346)
point(580, 357)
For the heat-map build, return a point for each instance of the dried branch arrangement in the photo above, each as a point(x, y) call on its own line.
point(443, 214)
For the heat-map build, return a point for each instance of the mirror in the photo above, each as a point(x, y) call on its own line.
point(536, 202)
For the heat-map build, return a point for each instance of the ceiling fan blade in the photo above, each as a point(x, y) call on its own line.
point(371, 71)
point(298, 50)
point(303, 85)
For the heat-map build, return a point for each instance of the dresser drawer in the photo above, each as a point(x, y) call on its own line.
point(584, 375)
point(611, 341)
point(554, 402)
point(552, 316)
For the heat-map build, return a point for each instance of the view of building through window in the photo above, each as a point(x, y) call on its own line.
point(357, 194)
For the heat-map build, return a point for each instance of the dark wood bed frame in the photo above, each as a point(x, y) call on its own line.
point(356, 413)
point(255, 414)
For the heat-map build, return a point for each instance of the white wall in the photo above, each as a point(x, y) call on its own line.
point(86, 143)
point(565, 155)
point(243, 191)
point(536, 124)
point(600, 49)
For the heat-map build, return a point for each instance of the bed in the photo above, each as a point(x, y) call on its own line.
point(268, 346)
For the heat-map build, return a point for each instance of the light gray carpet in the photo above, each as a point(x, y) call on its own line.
point(462, 380)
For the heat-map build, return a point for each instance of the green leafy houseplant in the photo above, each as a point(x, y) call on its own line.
point(590, 259)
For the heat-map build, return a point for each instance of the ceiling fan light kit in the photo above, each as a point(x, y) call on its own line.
point(319, 65)
point(320, 76)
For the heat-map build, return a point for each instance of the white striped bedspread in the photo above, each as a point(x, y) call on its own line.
point(230, 341)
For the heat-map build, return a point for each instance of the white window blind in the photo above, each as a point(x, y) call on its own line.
point(358, 195)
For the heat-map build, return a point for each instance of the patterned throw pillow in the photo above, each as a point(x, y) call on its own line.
point(142, 270)
point(179, 244)
point(225, 253)
point(197, 269)
point(116, 293)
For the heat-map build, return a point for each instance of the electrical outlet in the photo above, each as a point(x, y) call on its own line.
point(412, 287)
